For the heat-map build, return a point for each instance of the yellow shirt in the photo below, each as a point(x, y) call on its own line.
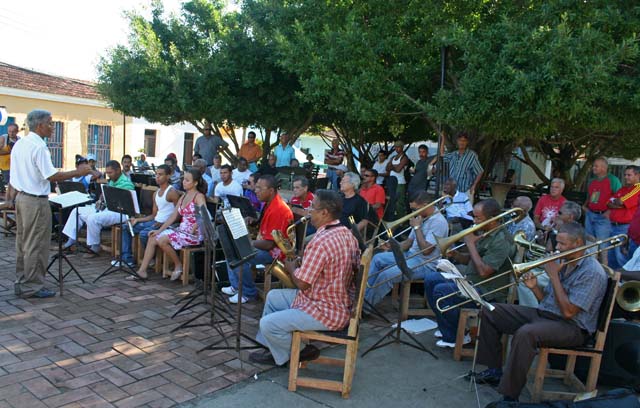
point(5, 159)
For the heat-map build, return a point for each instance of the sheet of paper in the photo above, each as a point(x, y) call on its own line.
point(71, 199)
point(417, 326)
point(235, 222)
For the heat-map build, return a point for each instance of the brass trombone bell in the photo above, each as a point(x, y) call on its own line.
point(628, 296)
point(536, 250)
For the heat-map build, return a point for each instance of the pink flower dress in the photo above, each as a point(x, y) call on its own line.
point(182, 236)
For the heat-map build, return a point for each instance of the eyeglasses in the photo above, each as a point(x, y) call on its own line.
point(369, 175)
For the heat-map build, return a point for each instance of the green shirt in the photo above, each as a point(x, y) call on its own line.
point(122, 182)
point(495, 250)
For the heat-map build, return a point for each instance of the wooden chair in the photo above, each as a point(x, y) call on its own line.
point(422, 310)
point(592, 352)
point(349, 338)
point(8, 222)
point(185, 257)
point(140, 254)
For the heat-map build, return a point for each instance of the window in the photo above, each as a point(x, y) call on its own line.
point(150, 142)
point(187, 156)
point(99, 143)
point(56, 144)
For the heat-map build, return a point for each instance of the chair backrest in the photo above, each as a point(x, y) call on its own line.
point(606, 308)
point(361, 277)
point(146, 199)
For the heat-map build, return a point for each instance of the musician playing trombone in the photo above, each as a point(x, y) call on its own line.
point(566, 316)
point(487, 256)
point(429, 223)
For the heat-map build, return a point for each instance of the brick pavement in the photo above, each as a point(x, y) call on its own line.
point(108, 344)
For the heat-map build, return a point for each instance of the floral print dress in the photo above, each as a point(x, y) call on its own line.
point(182, 236)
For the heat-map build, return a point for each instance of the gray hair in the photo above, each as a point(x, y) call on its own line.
point(200, 163)
point(525, 203)
point(37, 117)
point(304, 182)
point(574, 230)
point(354, 179)
point(572, 208)
point(558, 180)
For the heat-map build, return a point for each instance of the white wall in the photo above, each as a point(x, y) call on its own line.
point(169, 139)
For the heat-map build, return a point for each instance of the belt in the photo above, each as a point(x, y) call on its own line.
point(33, 195)
point(618, 224)
point(598, 212)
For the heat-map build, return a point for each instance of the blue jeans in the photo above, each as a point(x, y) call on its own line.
point(615, 256)
point(435, 287)
point(279, 321)
point(142, 229)
point(379, 284)
point(332, 175)
point(633, 247)
point(597, 225)
point(249, 289)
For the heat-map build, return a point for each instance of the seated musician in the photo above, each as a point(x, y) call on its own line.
point(176, 174)
point(325, 284)
point(566, 316)
point(95, 217)
point(187, 233)
point(459, 207)
point(227, 186)
point(275, 216)
point(250, 192)
point(302, 197)
point(526, 224)
point(373, 193)
point(89, 178)
point(164, 203)
point(353, 204)
point(427, 225)
point(487, 256)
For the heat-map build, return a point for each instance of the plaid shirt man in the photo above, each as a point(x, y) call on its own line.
point(463, 168)
point(328, 264)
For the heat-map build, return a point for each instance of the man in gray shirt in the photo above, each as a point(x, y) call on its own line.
point(208, 145)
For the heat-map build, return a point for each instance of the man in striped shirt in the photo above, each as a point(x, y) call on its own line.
point(324, 280)
point(622, 207)
point(464, 166)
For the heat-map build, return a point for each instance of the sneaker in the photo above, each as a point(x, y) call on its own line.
point(234, 299)
point(175, 275)
point(262, 357)
point(229, 290)
point(446, 344)
point(70, 242)
point(490, 376)
point(116, 263)
point(437, 334)
point(44, 293)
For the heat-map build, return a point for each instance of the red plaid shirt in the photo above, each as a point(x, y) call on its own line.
point(328, 264)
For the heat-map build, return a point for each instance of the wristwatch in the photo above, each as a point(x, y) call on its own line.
point(416, 227)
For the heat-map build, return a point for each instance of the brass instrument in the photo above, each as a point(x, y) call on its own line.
point(288, 248)
point(278, 270)
point(628, 296)
point(536, 250)
point(518, 270)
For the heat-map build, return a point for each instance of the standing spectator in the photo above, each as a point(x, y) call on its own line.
point(464, 166)
point(33, 173)
point(284, 152)
point(333, 158)
point(548, 205)
point(6, 144)
point(372, 192)
point(242, 173)
point(209, 145)
point(201, 166)
point(251, 151)
point(600, 190)
point(381, 167)
point(228, 186)
point(420, 181)
point(396, 167)
point(622, 207)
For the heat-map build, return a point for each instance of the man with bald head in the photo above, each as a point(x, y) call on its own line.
point(526, 224)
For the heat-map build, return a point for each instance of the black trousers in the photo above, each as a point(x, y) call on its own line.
point(530, 328)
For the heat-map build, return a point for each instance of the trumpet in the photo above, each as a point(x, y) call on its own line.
point(518, 270)
point(288, 247)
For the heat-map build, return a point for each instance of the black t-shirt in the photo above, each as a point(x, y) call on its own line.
point(355, 206)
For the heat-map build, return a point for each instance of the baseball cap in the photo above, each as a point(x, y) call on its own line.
point(398, 143)
point(91, 156)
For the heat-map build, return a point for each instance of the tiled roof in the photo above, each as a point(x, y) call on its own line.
point(26, 79)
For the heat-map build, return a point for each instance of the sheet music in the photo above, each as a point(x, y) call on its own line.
point(235, 222)
point(70, 199)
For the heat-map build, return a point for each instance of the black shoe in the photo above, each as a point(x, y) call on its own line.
point(490, 376)
point(309, 353)
point(502, 401)
point(262, 357)
point(44, 293)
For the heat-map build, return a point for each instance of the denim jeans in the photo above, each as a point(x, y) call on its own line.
point(615, 256)
point(332, 175)
point(279, 321)
point(376, 289)
point(435, 287)
point(633, 266)
point(249, 289)
point(142, 229)
point(597, 225)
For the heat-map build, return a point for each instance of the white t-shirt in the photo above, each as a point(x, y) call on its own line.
point(223, 191)
point(31, 165)
point(380, 168)
point(240, 176)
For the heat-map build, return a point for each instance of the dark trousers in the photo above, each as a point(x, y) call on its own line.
point(530, 328)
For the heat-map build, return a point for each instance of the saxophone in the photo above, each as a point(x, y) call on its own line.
point(288, 248)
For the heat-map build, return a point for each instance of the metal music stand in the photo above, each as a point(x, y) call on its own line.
point(64, 201)
point(395, 332)
point(121, 201)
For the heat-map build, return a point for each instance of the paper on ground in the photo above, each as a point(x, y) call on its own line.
point(417, 326)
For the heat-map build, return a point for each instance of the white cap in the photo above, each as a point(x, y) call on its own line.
point(91, 156)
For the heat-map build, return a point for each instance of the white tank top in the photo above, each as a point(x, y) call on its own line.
point(400, 176)
point(165, 208)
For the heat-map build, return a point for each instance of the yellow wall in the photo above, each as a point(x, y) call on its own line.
point(76, 119)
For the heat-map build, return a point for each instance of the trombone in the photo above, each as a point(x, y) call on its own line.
point(518, 270)
point(444, 243)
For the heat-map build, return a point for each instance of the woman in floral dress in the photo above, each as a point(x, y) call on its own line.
point(186, 234)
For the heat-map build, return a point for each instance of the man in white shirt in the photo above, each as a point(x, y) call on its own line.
point(228, 186)
point(242, 173)
point(215, 170)
point(31, 174)
point(458, 209)
point(381, 167)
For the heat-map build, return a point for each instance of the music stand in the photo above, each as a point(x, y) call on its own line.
point(71, 200)
point(121, 201)
point(395, 332)
point(244, 204)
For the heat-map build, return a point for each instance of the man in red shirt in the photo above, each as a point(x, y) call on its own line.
point(275, 216)
point(325, 283)
point(372, 192)
point(600, 190)
point(622, 208)
point(548, 205)
point(302, 197)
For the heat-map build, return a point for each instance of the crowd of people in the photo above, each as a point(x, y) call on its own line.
point(558, 308)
